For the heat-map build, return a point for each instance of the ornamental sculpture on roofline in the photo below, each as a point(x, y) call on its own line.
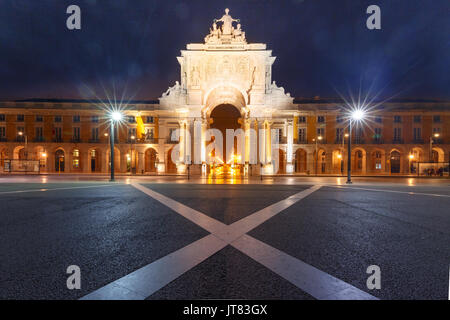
point(226, 32)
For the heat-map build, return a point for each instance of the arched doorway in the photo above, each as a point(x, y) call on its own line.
point(359, 161)
point(225, 116)
point(59, 160)
point(395, 161)
point(150, 160)
point(171, 166)
point(281, 161)
point(94, 160)
point(321, 162)
point(338, 161)
point(116, 160)
point(300, 160)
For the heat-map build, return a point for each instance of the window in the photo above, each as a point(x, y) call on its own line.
point(131, 133)
point(94, 119)
point(149, 119)
point(436, 119)
point(39, 136)
point(397, 134)
point(20, 117)
point(417, 119)
point(76, 134)
point(302, 135)
point(378, 120)
point(94, 134)
point(58, 118)
point(397, 119)
point(321, 132)
point(339, 134)
point(173, 134)
point(149, 134)
point(377, 135)
point(131, 119)
point(57, 133)
point(359, 135)
point(39, 118)
point(320, 119)
point(2, 132)
point(339, 119)
point(302, 119)
point(417, 134)
point(76, 118)
point(2, 118)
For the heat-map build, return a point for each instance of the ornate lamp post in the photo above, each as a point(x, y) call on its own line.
point(356, 115)
point(436, 135)
point(115, 117)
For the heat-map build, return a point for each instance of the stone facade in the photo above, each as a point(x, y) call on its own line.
point(69, 136)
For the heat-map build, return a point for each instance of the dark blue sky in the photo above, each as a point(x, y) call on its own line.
point(321, 45)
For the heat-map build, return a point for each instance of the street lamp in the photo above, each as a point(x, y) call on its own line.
point(26, 144)
point(436, 135)
point(317, 156)
point(132, 138)
point(356, 115)
point(115, 117)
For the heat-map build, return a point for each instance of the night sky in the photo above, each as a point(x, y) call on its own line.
point(322, 46)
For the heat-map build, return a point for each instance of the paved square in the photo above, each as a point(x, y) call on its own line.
point(138, 239)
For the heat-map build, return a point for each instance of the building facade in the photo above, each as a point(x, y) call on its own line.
point(225, 83)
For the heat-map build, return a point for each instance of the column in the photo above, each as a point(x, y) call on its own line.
point(290, 147)
point(204, 127)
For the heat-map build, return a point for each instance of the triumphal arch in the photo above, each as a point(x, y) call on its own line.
point(226, 77)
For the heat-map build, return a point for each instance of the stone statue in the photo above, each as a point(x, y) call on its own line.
point(227, 21)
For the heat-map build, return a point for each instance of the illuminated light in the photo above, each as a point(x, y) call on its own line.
point(44, 155)
point(133, 137)
point(346, 135)
point(116, 116)
point(106, 134)
point(436, 135)
point(20, 133)
point(358, 114)
point(320, 138)
point(339, 156)
point(411, 156)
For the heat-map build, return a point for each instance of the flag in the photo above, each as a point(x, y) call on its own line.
point(140, 129)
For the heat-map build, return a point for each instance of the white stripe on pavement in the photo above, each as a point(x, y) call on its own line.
point(317, 283)
point(393, 191)
point(54, 189)
point(200, 219)
point(143, 282)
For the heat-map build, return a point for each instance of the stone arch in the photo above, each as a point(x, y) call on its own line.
point(171, 166)
point(437, 154)
point(281, 161)
point(416, 155)
point(377, 160)
point(224, 94)
point(3, 157)
point(60, 160)
point(117, 161)
point(301, 157)
point(359, 161)
point(321, 161)
point(337, 162)
point(151, 155)
point(19, 153)
point(395, 161)
point(94, 160)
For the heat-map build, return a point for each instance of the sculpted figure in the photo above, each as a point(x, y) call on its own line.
point(227, 21)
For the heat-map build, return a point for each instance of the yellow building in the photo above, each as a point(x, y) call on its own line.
point(225, 83)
